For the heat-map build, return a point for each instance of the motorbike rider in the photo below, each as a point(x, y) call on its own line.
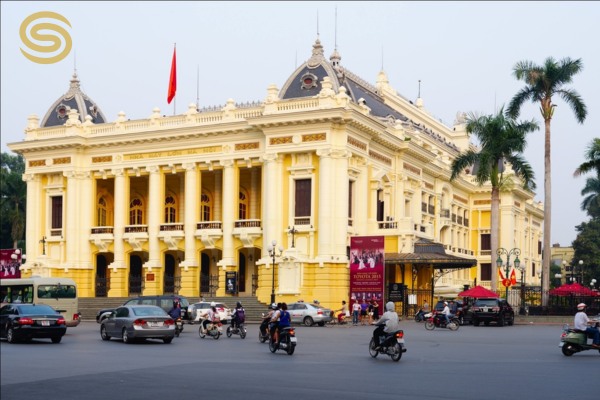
point(274, 323)
point(342, 312)
point(424, 310)
point(212, 316)
point(582, 322)
point(446, 312)
point(388, 323)
point(266, 319)
point(285, 320)
point(175, 311)
point(236, 317)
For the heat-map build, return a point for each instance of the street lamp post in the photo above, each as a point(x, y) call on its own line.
point(273, 253)
point(558, 279)
point(521, 268)
point(581, 271)
point(516, 252)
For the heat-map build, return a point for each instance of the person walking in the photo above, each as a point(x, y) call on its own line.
point(355, 312)
point(363, 312)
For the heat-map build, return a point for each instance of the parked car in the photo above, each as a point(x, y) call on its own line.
point(309, 313)
point(463, 310)
point(31, 321)
point(163, 301)
point(198, 310)
point(496, 310)
point(138, 322)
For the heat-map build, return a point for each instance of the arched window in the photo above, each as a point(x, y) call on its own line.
point(170, 210)
point(101, 214)
point(243, 206)
point(136, 212)
point(205, 209)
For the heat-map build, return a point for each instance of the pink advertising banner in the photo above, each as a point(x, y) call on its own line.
point(9, 268)
point(366, 268)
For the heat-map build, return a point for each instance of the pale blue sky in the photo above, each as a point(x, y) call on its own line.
point(463, 53)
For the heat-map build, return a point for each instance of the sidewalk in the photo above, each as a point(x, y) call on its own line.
point(543, 320)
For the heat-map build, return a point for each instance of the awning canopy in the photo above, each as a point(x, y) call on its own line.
point(430, 253)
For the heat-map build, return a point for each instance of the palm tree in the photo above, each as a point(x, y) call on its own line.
point(591, 202)
point(502, 139)
point(593, 159)
point(541, 83)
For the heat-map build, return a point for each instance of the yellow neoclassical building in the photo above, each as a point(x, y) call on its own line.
point(186, 203)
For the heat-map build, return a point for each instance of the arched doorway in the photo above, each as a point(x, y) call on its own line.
point(169, 278)
point(102, 281)
point(135, 275)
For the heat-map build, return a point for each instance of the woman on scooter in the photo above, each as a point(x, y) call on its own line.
point(212, 316)
point(582, 322)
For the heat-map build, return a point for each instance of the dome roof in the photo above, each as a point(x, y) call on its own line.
point(306, 82)
point(73, 99)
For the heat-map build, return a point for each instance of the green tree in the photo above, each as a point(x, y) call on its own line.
point(541, 84)
point(587, 249)
point(591, 201)
point(501, 140)
point(592, 156)
point(13, 192)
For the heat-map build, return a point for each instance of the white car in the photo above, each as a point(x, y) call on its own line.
point(198, 310)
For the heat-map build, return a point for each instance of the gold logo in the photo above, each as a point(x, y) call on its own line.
point(37, 29)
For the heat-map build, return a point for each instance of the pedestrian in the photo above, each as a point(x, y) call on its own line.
point(370, 311)
point(363, 312)
point(355, 312)
point(375, 310)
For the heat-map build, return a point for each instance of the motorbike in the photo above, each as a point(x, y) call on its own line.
point(263, 337)
point(178, 326)
point(392, 345)
point(212, 329)
point(287, 341)
point(574, 341)
point(422, 316)
point(237, 329)
point(438, 320)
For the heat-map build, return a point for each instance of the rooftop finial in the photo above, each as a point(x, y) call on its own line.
point(419, 95)
point(335, 36)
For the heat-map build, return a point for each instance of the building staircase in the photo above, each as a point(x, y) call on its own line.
point(89, 306)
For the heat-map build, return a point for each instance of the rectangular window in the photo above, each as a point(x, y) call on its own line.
point(486, 271)
point(539, 247)
point(532, 269)
point(350, 198)
point(57, 212)
point(486, 241)
point(380, 205)
point(303, 197)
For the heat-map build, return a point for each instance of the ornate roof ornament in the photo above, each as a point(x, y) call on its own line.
point(317, 55)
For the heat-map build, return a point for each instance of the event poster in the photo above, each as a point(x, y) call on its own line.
point(366, 268)
point(9, 268)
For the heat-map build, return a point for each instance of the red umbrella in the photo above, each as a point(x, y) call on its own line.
point(478, 291)
point(573, 288)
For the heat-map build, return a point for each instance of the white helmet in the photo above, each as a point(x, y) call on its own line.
point(581, 306)
point(390, 306)
point(213, 304)
point(445, 303)
point(273, 306)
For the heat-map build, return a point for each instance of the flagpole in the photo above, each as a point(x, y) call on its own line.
point(175, 97)
point(173, 80)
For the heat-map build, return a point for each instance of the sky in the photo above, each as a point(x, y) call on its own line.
point(462, 52)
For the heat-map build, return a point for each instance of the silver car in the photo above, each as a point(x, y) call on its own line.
point(138, 322)
point(309, 314)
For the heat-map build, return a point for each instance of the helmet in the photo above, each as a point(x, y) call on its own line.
point(390, 306)
point(581, 306)
point(238, 305)
point(445, 303)
point(213, 304)
point(273, 306)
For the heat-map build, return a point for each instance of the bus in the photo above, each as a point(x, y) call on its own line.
point(59, 293)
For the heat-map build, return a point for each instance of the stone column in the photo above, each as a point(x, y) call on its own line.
point(118, 271)
point(87, 211)
point(33, 226)
point(230, 200)
point(270, 207)
point(190, 213)
point(156, 201)
point(73, 219)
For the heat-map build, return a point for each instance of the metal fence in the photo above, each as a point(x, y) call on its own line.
point(525, 302)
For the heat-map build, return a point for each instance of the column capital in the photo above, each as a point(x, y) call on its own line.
point(189, 166)
point(226, 163)
point(153, 169)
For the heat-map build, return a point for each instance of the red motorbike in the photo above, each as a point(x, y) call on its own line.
point(438, 320)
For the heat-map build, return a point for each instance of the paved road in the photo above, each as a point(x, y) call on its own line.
point(333, 362)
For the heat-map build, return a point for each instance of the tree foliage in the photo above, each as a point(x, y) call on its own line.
point(587, 249)
point(13, 194)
